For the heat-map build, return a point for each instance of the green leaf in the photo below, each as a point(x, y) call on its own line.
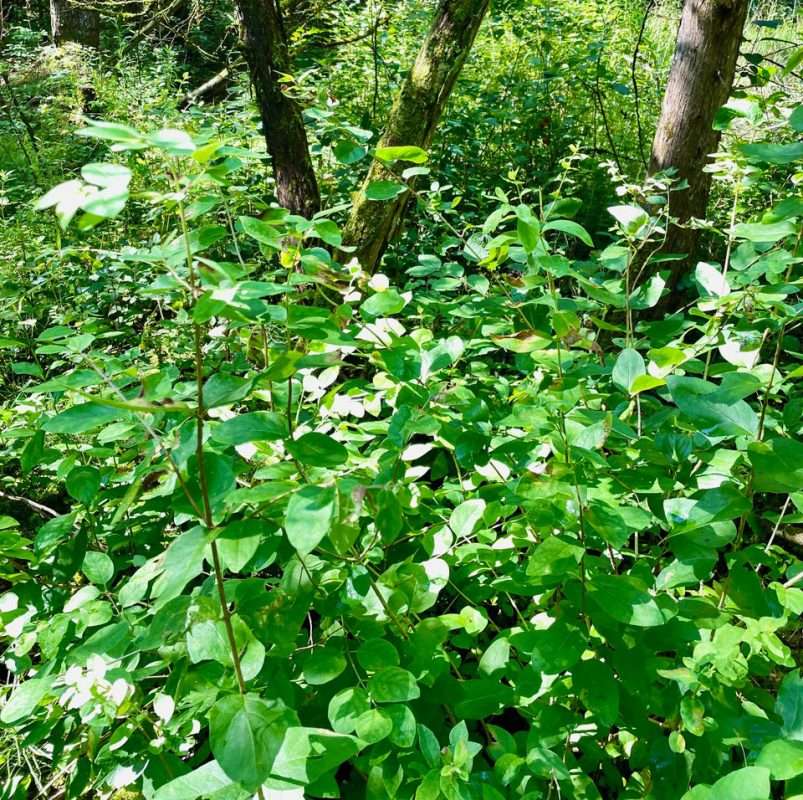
point(373, 726)
point(346, 707)
point(220, 483)
point(782, 758)
point(222, 389)
point(307, 754)
point(183, 561)
point(496, 657)
point(777, 465)
point(772, 153)
point(349, 152)
point(106, 175)
point(98, 567)
point(624, 599)
point(375, 654)
point(528, 228)
point(465, 517)
point(382, 304)
point(789, 705)
point(173, 141)
point(404, 730)
point(328, 232)
point(571, 228)
point(208, 641)
point(24, 699)
point(246, 734)
point(309, 517)
point(711, 279)
point(83, 484)
point(124, 136)
point(393, 685)
point(692, 712)
point(238, 542)
point(262, 232)
point(257, 426)
point(202, 782)
point(483, 698)
point(644, 383)
point(53, 532)
point(384, 190)
point(796, 119)
point(756, 232)
point(546, 764)
point(628, 368)
point(598, 690)
point(324, 665)
point(554, 559)
point(401, 153)
point(793, 62)
point(107, 203)
point(712, 407)
point(82, 418)
point(631, 218)
point(748, 783)
point(318, 450)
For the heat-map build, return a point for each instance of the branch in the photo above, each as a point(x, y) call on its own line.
point(635, 82)
point(45, 511)
point(204, 88)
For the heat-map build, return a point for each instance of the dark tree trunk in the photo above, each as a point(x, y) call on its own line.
point(413, 119)
point(266, 52)
point(700, 81)
point(74, 22)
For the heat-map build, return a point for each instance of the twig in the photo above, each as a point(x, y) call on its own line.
point(39, 507)
point(204, 88)
point(793, 581)
point(634, 81)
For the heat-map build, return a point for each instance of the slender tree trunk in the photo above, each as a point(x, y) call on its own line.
point(266, 53)
point(74, 22)
point(700, 81)
point(413, 119)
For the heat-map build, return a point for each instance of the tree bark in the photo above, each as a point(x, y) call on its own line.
point(266, 52)
point(413, 119)
point(74, 22)
point(700, 81)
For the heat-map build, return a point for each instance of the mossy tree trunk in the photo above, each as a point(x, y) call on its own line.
point(413, 119)
point(267, 56)
point(700, 80)
point(74, 22)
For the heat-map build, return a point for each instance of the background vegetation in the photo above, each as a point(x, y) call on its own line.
point(506, 515)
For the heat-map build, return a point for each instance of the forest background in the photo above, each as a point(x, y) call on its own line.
point(401, 400)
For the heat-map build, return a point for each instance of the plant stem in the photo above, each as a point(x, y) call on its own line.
point(202, 478)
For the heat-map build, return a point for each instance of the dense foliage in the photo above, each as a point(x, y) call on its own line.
point(496, 521)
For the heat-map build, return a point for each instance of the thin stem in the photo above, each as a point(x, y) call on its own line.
point(290, 404)
point(766, 399)
point(776, 527)
point(208, 519)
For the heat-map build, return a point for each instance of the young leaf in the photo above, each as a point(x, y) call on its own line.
point(465, 517)
point(309, 516)
point(384, 190)
point(570, 228)
point(628, 367)
point(246, 734)
point(318, 450)
point(409, 153)
point(257, 426)
point(393, 685)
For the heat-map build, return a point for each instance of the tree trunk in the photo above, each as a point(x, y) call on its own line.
point(700, 81)
point(413, 119)
point(74, 22)
point(266, 53)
